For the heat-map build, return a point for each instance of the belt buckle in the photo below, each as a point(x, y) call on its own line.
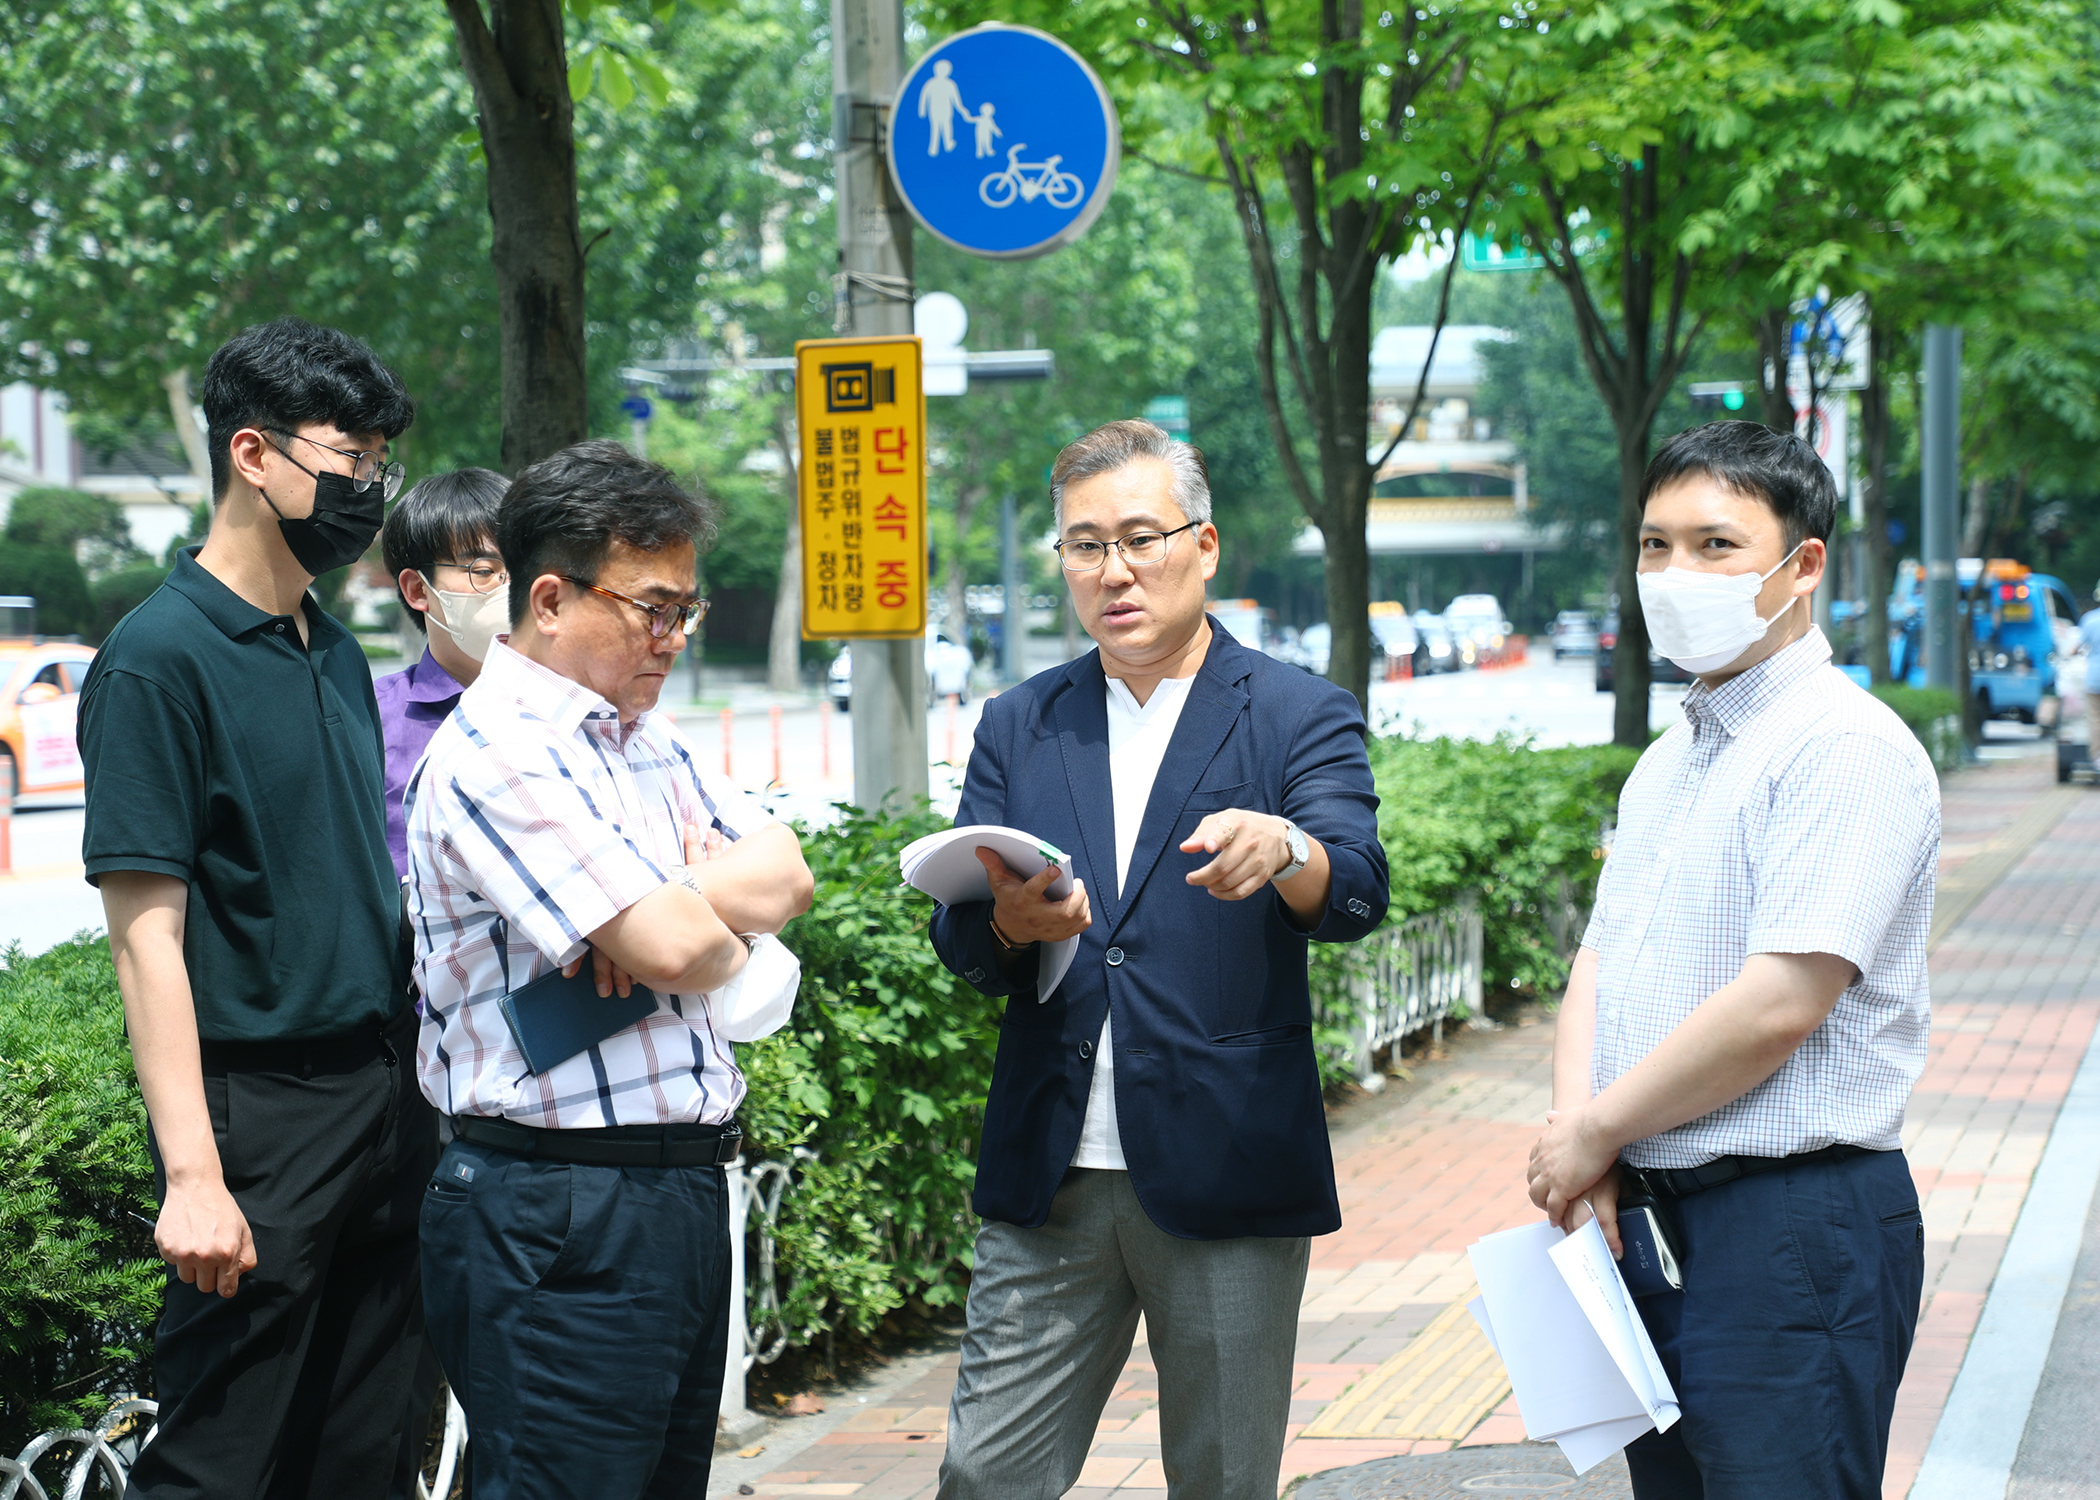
point(730, 1144)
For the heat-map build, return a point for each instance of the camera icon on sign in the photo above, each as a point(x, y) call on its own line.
point(859, 387)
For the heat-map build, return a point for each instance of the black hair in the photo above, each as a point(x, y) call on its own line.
point(563, 514)
point(284, 374)
point(1752, 459)
point(440, 519)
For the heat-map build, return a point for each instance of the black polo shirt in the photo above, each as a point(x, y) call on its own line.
point(222, 752)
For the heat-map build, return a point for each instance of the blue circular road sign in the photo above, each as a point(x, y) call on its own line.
point(1003, 142)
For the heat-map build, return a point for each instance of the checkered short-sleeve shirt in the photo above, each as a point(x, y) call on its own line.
point(1791, 812)
point(534, 819)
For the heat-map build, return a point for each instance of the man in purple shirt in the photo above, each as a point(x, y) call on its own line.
point(440, 545)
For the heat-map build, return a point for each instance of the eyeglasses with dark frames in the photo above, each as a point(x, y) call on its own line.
point(483, 576)
point(364, 467)
point(661, 616)
point(1084, 554)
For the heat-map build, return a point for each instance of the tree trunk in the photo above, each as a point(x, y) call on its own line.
point(1776, 402)
point(1631, 678)
point(517, 62)
point(1976, 519)
point(784, 645)
point(1874, 507)
point(1345, 482)
point(182, 411)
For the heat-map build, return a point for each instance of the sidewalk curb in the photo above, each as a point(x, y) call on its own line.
point(1980, 1428)
point(786, 1439)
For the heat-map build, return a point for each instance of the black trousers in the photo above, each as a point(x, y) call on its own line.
point(582, 1314)
point(295, 1386)
point(1786, 1345)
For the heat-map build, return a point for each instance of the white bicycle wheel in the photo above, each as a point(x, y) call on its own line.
point(1064, 190)
point(997, 189)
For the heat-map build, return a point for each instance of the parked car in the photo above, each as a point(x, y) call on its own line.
point(1574, 633)
point(1660, 667)
point(1477, 626)
point(948, 668)
point(1397, 638)
point(39, 708)
point(1435, 649)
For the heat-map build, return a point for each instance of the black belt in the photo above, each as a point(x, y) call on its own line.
point(393, 1039)
point(1682, 1182)
point(608, 1146)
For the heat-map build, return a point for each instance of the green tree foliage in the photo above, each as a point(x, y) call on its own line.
point(1343, 134)
point(1703, 158)
point(238, 159)
point(79, 1280)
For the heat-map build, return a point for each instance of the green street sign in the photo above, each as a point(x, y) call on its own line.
point(1480, 252)
point(1170, 412)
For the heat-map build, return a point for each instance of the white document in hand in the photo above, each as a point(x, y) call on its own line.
point(945, 866)
point(1569, 1381)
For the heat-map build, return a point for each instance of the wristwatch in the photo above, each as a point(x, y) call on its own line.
point(1294, 840)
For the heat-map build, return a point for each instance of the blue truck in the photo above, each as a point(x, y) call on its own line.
point(2016, 617)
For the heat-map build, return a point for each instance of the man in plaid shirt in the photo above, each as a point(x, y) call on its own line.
point(1749, 1007)
point(577, 1266)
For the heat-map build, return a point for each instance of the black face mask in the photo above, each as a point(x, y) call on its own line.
point(343, 523)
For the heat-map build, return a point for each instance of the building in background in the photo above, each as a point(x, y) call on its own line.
point(151, 480)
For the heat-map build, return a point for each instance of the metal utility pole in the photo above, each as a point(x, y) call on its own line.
point(1941, 441)
point(873, 293)
point(1013, 634)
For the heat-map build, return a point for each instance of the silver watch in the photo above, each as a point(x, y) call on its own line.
point(1294, 840)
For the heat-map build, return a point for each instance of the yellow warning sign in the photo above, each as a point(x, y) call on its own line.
point(861, 409)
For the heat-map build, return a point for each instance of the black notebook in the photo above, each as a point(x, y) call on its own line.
point(553, 1019)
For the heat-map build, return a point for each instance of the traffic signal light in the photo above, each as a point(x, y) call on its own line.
point(1718, 395)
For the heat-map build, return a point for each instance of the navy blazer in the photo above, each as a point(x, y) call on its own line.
point(1217, 1085)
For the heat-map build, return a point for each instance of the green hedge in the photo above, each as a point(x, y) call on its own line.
point(79, 1280)
point(1518, 825)
point(881, 1074)
point(1933, 715)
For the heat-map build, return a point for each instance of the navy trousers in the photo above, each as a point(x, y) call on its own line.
point(1786, 1345)
point(582, 1316)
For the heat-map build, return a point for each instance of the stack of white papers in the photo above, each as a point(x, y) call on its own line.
point(1579, 1358)
point(945, 867)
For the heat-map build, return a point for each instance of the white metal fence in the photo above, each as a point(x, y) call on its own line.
point(1414, 974)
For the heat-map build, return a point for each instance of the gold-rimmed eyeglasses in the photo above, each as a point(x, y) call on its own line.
point(483, 576)
point(661, 616)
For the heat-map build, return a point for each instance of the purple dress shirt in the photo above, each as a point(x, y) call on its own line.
point(411, 706)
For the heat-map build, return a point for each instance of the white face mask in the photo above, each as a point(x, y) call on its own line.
point(480, 617)
point(1704, 621)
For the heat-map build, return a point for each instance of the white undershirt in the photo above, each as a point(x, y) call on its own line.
point(1137, 743)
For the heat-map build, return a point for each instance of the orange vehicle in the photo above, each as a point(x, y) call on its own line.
point(39, 702)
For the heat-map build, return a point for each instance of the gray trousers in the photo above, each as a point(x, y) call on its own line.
point(1052, 1314)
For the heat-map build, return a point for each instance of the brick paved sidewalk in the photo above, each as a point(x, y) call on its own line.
point(1426, 1169)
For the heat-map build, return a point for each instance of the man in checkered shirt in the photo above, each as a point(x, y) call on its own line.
point(575, 1235)
point(1749, 1008)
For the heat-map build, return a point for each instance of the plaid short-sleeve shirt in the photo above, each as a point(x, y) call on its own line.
point(534, 819)
point(1790, 812)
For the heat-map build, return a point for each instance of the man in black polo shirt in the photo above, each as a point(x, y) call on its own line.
point(236, 826)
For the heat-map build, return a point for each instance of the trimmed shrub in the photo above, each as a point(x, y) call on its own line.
point(882, 1073)
point(1933, 715)
point(80, 1283)
point(1519, 825)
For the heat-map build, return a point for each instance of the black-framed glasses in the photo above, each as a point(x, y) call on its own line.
point(483, 576)
point(1084, 554)
point(364, 467)
point(661, 616)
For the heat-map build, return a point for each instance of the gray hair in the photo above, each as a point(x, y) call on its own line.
point(1117, 445)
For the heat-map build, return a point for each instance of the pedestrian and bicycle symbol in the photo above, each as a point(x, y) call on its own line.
point(1003, 142)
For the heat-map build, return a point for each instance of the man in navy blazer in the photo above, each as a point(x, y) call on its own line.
point(1154, 1141)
